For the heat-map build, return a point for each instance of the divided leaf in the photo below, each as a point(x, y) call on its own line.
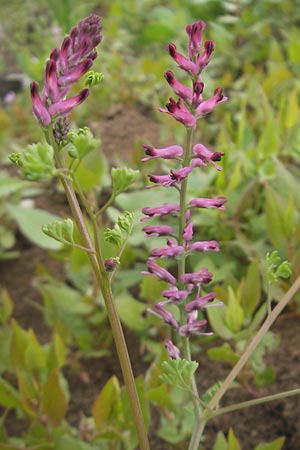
point(178, 372)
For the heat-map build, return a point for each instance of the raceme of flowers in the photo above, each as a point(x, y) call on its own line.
point(64, 68)
point(186, 291)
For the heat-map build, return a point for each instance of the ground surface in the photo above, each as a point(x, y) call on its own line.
point(251, 426)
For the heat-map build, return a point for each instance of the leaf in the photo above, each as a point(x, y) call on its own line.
point(57, 352)
point(251, 289)
point(54, 403)
point(211, 392)
point(234, 315)
point(274, 445)
point(34, 357)
point(178, 372)
point(36, 162)
point(233, 443)
point(274, 209)
point(130, 312)
point(19, 344)
point(9, 396)
point(122, 178)
point(293, 110)
point(61, 231)
point(9, 185)
point(6, 306)
point(223, 353)
point(30, 222)
point(105, 403)
point(220, 443)
point(217, 321)
point(84, 141)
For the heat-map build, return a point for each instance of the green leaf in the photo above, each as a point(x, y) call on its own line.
point(211, 392)
point(217, 321)
point(93, 78)
point(54, 403)
point(57, 352)
point(122, 178)
point(106, 402)
point(84, 141)
point(220, 443)
point(223, 353)
point(31, 222)
point(234, 315)
point(274, 209)
point(9, 396)
point(274, 445)
point(36, 161)
point(6, 306)
point(9, 185)
point(35, 356)
point(251, 289)
point(233, 443)
point(178, 372)
point(61, 231)
point(19, 344)
point(131, 312)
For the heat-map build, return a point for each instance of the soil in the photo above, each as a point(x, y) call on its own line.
point(254, 425)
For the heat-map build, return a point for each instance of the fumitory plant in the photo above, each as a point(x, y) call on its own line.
point(186, 296)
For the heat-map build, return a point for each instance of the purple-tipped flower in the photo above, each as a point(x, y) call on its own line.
point(183, 62)
point(200, 302)
point(39, 110)
point(171, 152)
point(207, 106)
point(205, 246)
point(194, 31)
point(64, 107)
point(196, 278)
point(158, 211)
point(161, 312)
point(180, 112)
point(193, 326)
point(204, 58)
point(180, 89)
point(159, 272)
point(172, 350)
point(173, 294)
point(188, 232)
point(171, 251)
point(205, 155)
point(209, 202)
point(158, 230)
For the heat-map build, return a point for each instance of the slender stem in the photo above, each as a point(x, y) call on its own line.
point(199, 424)
point(96, 261)
point(254, 343)
point(256, 401)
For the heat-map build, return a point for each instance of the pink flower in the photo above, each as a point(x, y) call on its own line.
point(194, 32)
point(171, 251)
point(203, 276)
point(158, 211)
point(39, 110)
point(161, 312)
point(188, 232)
point(200, 302)
point(159, 272)
point(209, 202)
point(207, 106)
point(205, 246)
point(183, 62)
point(206, 155)
point(172, 350)
point(173, 294)
point(158, 230)
point(180, 89)
point(171, 152)
point(180, 112)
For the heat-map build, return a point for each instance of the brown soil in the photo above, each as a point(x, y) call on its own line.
point(121, 130)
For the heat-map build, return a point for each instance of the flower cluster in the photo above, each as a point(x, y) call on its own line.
point(185, 290)
point(63, 69)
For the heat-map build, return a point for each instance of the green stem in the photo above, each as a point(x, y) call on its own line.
point(96, 262)
point(199, 423)
point(256, 401)
point(253, 344)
